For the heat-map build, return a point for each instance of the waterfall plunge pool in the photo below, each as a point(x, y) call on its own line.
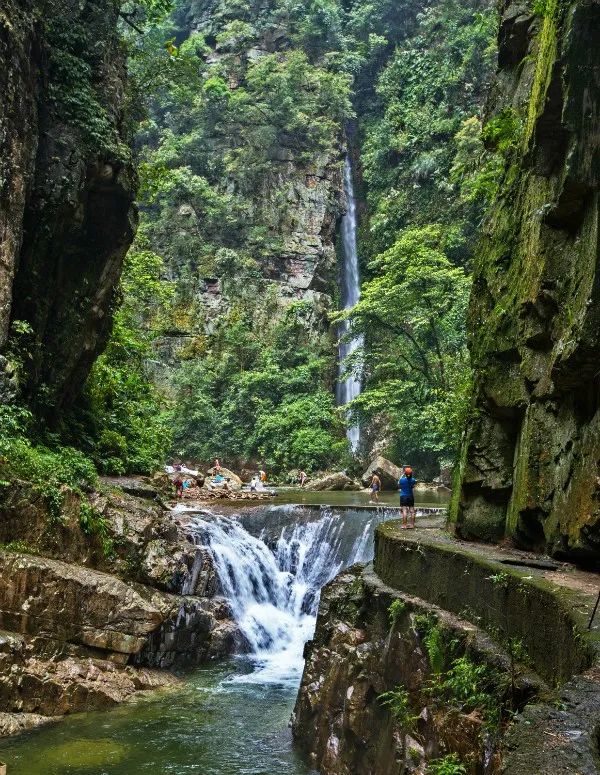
point(230, 718)
point(214, 724)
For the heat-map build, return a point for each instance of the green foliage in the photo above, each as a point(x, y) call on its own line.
point(20, 547)
point(543, 7)
point(121, 419)
point(448, 765)
point(256, 392)
point(397, 702)
point(500, 579)
point(435, 647)
point(73, 58)
point(413, 314)
point(226, 113)
point(502, 132)
point(430, 86)
point(472, 687)
point(395, 610)
point(47, 471)
point(94, 523)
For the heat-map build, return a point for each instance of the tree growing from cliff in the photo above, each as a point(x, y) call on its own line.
point(412, 312)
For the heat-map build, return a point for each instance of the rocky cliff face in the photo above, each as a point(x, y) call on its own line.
point(275, 244)
point(367, 702)
point(530, 458)
point(67, 185)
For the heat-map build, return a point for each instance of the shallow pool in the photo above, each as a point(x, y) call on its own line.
point(223, 720)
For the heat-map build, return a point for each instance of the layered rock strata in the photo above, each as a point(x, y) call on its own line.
point(86, 625)
point(529, 464)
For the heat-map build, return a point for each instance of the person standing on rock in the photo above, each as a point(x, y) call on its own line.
point(178, 487)
point(375, 488)
point(217, 466)
point(406, 485)
point(303, 478)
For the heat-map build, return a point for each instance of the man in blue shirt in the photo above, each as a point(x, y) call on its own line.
point(406, 485)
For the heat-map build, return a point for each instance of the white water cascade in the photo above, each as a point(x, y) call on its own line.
point(274, 593)
point(350, 387)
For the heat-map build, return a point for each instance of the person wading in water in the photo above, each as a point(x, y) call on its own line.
point(406, 485)
point(375, 487)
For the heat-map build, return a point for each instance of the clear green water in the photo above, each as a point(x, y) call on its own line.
point(214, 724)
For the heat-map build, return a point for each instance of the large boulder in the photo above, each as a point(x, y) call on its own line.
point(335, 481)
point(388, 472)
point(234, 483)
point(78, 605)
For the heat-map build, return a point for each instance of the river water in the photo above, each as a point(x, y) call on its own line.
point(231, 718)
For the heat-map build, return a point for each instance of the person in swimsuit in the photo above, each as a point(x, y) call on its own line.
point(375, 487)
point(406, 485)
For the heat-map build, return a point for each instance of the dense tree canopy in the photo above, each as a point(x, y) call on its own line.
point(233, 97)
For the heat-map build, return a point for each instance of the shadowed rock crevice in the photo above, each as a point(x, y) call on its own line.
point(67, 216)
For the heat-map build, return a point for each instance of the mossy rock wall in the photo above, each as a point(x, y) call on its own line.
point(529, 465)
point(67, 185)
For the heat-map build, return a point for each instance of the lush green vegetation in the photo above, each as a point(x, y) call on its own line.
point(48, 468)
point(447, 765)
point(412, 313)
point(121, 420)
point(260, 398)
point(208, 356)
point(219, 124)
point(426, 181)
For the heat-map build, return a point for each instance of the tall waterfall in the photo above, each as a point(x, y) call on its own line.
point(274, 592)
point(350, 290)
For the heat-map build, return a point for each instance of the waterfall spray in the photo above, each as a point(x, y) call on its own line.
point(274, 592)
point(350, 387)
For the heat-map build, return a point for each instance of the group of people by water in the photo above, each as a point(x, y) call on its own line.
point(406, 487)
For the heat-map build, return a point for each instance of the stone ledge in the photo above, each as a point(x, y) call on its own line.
point(471, 581)
point(549, 617)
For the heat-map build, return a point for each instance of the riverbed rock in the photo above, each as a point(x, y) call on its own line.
point(15, 723)
point(234, 483)
point(388, 472)
point(335, 481)
point(56, 686)
point(70, 603)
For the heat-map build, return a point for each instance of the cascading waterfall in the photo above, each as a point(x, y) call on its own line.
point(274, 593)
point(350, 387)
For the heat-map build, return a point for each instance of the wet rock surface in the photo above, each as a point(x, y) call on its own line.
point(518, 598)
point(530, 457)
point(66, 212)
point(334, 481)
point(388, 472)
point(358, 654)
point(85, 626)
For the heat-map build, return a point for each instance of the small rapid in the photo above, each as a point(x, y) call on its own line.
point(273, 587)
